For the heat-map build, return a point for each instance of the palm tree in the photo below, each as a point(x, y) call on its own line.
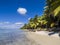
point(52, 11)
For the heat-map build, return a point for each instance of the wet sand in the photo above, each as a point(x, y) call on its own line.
point(25, 40)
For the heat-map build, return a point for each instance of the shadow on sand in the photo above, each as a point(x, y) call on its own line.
point(54, 31)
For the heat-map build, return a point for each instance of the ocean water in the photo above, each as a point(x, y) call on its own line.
point(12, 37)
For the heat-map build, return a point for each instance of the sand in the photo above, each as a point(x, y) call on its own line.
point(40, 39)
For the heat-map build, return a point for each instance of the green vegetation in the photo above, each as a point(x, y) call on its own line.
point(50, 18)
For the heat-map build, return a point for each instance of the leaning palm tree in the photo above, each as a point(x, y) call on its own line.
point(52, 11)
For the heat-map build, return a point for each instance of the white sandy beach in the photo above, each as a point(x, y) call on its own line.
point(41, 38)
point(19, 37)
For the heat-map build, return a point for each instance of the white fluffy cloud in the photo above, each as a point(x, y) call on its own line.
point(22, 11)
point(9, 25)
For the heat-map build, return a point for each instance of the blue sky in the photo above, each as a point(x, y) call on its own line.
point(9, 13)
